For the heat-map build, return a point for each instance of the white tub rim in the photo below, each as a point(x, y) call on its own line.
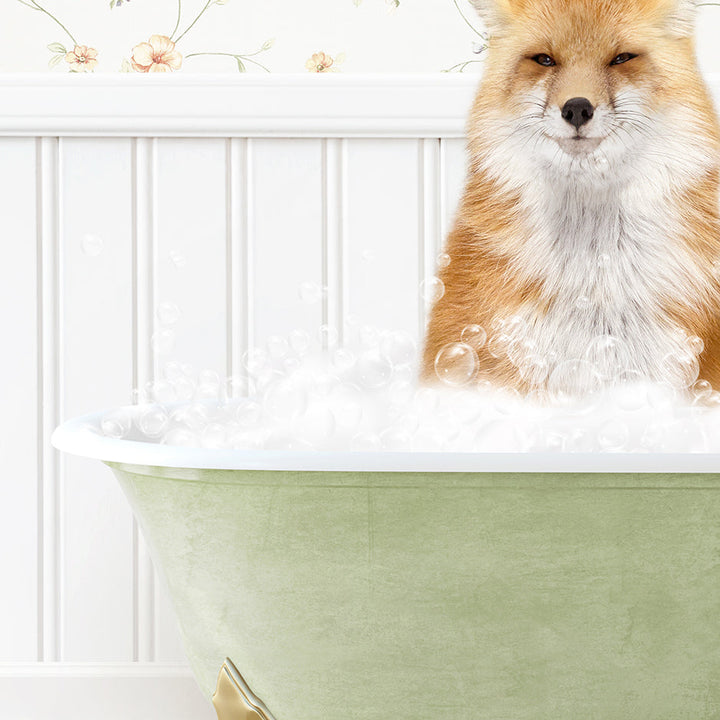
point(80, 436)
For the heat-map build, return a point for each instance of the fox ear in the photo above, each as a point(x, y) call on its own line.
point(491, 12)
point(681, 19)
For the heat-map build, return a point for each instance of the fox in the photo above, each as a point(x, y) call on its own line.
point(588, 232)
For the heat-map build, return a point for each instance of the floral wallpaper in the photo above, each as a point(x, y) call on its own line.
point(279, 36)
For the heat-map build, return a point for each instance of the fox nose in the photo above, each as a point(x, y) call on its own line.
point(577, 111)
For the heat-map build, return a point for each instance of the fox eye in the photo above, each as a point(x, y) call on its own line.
point(544, 60)
point(623, 58)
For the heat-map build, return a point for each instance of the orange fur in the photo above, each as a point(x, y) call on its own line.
point(482, 281)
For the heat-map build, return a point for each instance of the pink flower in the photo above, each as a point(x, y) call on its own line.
point(156, 55)
point(319, 62)
point(82, 58)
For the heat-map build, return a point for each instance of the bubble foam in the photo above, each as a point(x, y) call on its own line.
point(362, 395)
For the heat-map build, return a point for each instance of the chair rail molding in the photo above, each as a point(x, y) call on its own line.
point(243, 106)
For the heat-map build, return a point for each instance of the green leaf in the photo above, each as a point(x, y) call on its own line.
point(54, 60)
point(57, 48)
point(241, 65)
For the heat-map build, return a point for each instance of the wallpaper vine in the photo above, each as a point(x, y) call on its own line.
point(287, 36)
point(186, 30)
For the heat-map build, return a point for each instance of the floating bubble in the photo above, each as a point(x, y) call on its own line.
point(92, 245)
point(163, 341)
point(609, 355)
point(310, 293)
point(168, 313)
point(239, 386)
point(299, 341)
point(499, 345)
point(328, 336)
point(443, 260)
point(255, 360)
point(369, 336)
point(695, 344)
point(474, 336)
point(153, 421)
point(286, 399)
point(398, 347)
point(178, 259)
point(573, 379)
point(583, 303)
point(456, 364)
point(701, 390)
point(368, 256)
point(161, 391)
point(278, 347)
point(116, 424)
point(214, 435)
point(680, 369)
point(613, 435)
point(432, 290)
point(249, 414)
point(181, 437)
point(374, 370)
point(343, 360)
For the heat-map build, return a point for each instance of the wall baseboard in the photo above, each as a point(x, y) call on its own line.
point(63, 691)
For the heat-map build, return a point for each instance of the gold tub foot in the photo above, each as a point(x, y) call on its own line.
point(234, 700)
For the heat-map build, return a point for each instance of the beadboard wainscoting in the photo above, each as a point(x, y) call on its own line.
point(221, 196)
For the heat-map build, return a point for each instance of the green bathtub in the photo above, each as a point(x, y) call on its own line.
point(405, 586)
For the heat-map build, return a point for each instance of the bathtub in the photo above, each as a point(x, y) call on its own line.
point(404, 585)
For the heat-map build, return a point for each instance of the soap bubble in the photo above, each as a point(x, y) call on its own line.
point(695, 344)
point(368, 256)
point(238, 386)
point(180, 437)
point(680, 369)
point(343, 359)
point(534, 369)
point(286, 399)
point(583, 302)
point(153, 421)
point(278, 347)
point(214, 435)
point(163, 341)
point(249, 414)
point(92, 245)
point(310, 293)
point(474, 336)
point(116, 424)
point(160, 391)
point(254, 360)
point(397, 347)
point(299, 341)
point(701, 390)
point(456, 364)
point(609, 355)
point(613, 435)
point(432, 290)
point(443, 260)
point(374, 370)
point(573, 379)
point(178, 259)
point(499, 344)
point(168, 313)
point(369, 336)
point(366, 442)
point(328, 336)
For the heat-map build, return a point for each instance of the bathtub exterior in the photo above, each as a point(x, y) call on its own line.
point(369, 596)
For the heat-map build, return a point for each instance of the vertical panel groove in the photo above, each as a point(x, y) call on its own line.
point(249, 241)
point(333, 235)
point(429, 221)
point(50, 400)
point(143, 263)
point(238, 255)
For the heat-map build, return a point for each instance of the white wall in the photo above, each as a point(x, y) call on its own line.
point(96, 233)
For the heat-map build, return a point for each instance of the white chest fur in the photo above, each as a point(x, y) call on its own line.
point(610, 263)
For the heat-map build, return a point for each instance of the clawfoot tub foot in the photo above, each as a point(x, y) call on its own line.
point(233, 699)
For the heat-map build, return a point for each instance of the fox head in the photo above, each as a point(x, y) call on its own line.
point(579, 88)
